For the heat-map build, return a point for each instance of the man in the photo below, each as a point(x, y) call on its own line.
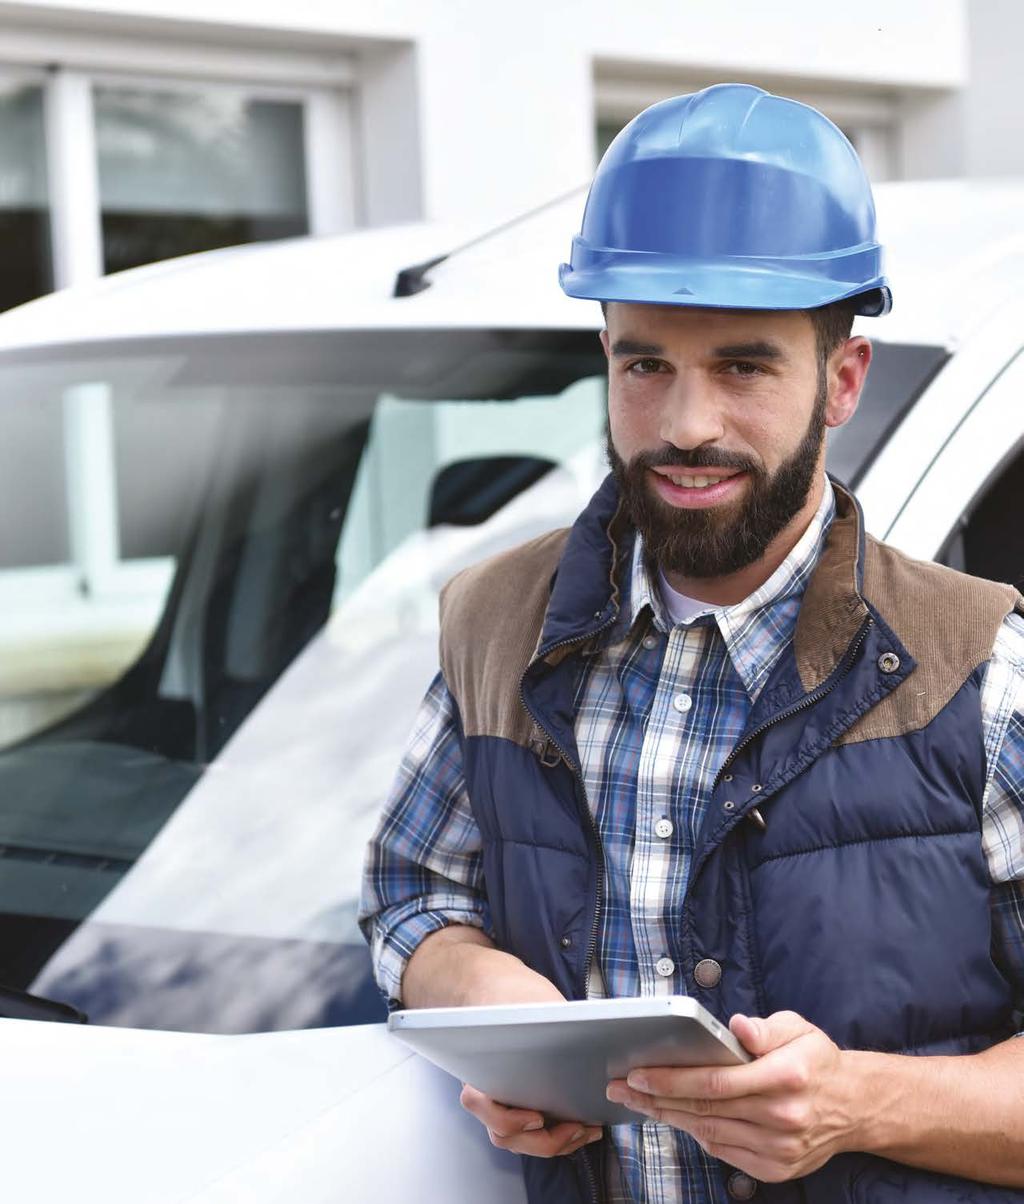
point(714, 741)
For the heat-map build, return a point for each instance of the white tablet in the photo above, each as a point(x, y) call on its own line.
point(558, 1058)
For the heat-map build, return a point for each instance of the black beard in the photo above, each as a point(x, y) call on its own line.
point(719, 540)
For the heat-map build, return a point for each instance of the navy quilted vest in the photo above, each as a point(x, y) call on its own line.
point(864, 903)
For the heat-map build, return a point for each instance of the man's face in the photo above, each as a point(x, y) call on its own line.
point(716, 422)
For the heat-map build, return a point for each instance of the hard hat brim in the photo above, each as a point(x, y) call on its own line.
point(743, 283)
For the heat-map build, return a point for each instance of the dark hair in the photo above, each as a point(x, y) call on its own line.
point(832, 325)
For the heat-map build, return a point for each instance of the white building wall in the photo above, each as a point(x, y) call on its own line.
point(993, 108)
point(470, 109)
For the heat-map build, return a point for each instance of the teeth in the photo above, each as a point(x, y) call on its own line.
point(688, 482)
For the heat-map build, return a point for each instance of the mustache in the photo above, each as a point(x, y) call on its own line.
point(701, 457)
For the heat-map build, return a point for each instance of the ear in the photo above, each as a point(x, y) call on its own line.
point(605, 344)
point(847, 372)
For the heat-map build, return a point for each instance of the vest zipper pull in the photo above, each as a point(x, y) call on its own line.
point(755, 816)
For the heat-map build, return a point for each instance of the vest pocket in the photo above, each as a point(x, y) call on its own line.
point(880, 1181)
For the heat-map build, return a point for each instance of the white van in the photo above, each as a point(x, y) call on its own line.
point(231, 487)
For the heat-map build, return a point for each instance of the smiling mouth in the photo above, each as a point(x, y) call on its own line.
point(698, 489)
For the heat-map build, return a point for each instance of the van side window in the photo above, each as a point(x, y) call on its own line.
point(988, 541)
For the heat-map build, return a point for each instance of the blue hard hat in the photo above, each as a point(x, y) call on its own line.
point(730, 197)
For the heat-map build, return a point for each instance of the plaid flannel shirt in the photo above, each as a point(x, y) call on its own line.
point(657, 711)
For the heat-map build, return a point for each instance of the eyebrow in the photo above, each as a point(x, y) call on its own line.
point(632, 347)
point(760, 349)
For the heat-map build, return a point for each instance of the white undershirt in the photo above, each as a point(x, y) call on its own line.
point(682, 608)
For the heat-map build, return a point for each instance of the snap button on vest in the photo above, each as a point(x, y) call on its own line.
point(741, 1186)
point(566, 942)
point(708, 973)
point(888, 662)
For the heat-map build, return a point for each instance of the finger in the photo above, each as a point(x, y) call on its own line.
point(557, 1140)
point(763, 1077)
point(504, 1122)
point(767, 1170)
point(714, 1133)
point(758, 1109)
point(761, 1035)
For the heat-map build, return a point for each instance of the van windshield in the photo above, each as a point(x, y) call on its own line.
point(219, 567)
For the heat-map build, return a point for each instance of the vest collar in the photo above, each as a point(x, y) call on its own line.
point(591, 584)
point(833, 608)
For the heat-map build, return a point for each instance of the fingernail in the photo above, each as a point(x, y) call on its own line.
point(578, 1136)
point(533, 1126)
point(594, 1137)
point(637, 1081)
point(616, 1093)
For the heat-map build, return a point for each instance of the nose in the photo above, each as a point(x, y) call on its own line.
point(691, 416)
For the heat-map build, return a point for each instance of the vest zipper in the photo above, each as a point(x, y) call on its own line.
point(591, 1180)
point(808, 700)
point(578, 775)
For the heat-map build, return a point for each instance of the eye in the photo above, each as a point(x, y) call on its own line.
point(744, 368)
point(648, 366)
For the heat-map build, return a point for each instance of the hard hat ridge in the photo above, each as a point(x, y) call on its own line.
point(729, 197)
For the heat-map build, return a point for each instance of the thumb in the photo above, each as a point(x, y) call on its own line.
point(760, 1035)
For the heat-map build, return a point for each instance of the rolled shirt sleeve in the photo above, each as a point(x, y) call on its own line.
point(423, 868)
point(1003, 804)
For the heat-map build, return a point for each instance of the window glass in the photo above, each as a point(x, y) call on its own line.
point(24, 206)
point(190, 171)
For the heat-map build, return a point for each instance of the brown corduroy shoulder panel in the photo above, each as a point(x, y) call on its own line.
point(948, 622)
point(491, 618)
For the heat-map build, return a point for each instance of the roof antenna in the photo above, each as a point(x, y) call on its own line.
point(413, 279)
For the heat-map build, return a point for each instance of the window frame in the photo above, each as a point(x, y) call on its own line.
point(962, 469)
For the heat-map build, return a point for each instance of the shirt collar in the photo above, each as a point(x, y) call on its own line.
point(757, 628)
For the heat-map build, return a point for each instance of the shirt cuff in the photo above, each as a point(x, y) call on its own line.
point(395, 940)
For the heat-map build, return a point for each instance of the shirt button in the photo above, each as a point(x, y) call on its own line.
point(741, 1186)
point(663, 828)
point(682, 702)
point(665, 966)
point(650, 641)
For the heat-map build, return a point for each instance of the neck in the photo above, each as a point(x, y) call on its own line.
point(734, 587)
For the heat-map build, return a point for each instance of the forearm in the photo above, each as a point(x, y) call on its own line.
point(459, 966)
point(958, 1115)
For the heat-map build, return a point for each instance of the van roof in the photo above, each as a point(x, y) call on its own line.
point(955, 254)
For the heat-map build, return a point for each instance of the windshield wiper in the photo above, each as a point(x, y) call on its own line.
point(19, 1005)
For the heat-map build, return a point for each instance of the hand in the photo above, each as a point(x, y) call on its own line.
point(457, 966)
point(523, 1131)
point(779, 1117)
